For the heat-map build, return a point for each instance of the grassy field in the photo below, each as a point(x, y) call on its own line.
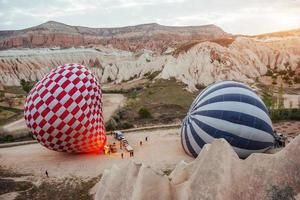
point(159, 102)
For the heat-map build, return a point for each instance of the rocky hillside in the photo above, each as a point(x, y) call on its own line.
point(195, 64)
point(217, 173)
point(196, 56)
point(131, 38)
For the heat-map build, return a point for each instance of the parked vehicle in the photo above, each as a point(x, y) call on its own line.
point(119, 135)
point(124, 142)
point(129, 148)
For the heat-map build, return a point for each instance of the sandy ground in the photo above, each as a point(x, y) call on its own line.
point(111, 102)
point(288, 128)
point(162, 151)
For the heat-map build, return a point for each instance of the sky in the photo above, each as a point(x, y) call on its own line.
point(234, 16)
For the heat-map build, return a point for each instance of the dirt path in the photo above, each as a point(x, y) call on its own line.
point(111, 103)
point(162, 151)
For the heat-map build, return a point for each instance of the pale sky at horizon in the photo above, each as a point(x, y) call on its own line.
point(233, 16)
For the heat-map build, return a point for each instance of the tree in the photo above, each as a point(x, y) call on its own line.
point(280, 98)
point(27, 85)
point(144, 113)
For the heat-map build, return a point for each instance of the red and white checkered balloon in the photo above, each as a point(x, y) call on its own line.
point(64, 110)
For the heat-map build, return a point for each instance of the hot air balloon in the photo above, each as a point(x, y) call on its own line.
point(64, 110)
point(229, 110)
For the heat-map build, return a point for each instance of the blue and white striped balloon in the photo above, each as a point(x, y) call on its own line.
point(229, 110)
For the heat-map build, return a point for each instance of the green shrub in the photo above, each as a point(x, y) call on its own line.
point(132, 94)
point(125, 125)
point(27, 85)
point(7, 138)
point(144, 113)
point(111, 125)
point(285, 114)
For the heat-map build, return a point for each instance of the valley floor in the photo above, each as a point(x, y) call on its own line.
point(162, 151)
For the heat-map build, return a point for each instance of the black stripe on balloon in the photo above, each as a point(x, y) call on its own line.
point(232, 139)
point(188, 144)
point(235, 97)
point(238, 118)
point(182, 135)
point(196, 136)
point(225, 85)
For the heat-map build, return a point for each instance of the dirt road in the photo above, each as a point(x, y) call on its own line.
point(162, 151)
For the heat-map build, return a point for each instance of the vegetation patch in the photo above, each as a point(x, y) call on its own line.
point(159, 102)
point(144, 113)
point(27, 85)
point(287, 74)
point(275, 105)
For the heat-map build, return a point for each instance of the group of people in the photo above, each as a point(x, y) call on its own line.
point(131, 153)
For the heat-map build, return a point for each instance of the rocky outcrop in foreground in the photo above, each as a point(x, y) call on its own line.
point(217, 173)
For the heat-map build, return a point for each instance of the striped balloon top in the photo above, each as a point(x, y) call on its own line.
point(229, 110)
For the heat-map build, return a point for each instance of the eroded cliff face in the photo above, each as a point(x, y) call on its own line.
point(243, 59)
point(107, 64)
point(217, 173)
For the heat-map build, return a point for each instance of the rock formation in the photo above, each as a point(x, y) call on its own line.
point(244, 59)
point(217, 173)
point(196, 56)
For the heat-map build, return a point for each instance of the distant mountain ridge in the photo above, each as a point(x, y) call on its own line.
point(195, 55)
point(131, 38)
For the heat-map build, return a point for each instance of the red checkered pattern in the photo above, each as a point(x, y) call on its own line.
point(64, 110)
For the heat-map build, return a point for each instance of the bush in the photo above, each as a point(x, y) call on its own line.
point(27, 85)
point(144, 113)
point(132, 94)
point(285, 114)
point(6, 138)
point(111, 125)
point(125, 125)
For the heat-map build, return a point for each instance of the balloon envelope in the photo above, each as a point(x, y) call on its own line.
point(64, 110)
point(229, 110)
